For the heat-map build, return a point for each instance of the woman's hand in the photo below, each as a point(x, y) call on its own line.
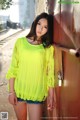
point(12, 98)
point(50, 99)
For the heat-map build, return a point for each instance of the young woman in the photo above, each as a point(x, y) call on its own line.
point(31, 72)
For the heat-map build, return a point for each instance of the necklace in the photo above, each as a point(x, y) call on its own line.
point(35, 42)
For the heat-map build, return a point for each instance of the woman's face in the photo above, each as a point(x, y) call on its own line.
point(41, 27)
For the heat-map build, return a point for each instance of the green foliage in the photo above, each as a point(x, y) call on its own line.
point(4, 4)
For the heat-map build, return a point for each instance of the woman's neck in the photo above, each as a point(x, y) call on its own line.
point(37, 41)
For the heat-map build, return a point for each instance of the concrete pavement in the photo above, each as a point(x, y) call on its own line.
point(9, 32)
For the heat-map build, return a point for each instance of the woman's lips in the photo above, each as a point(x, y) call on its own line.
point(39, 32)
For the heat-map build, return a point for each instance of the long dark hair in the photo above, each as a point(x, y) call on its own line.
point(47, 39)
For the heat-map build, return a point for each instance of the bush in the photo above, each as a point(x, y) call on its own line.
point(4, 4)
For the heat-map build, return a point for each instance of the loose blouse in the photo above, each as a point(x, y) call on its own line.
point(32, 66)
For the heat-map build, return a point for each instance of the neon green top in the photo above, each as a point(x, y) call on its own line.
point(32, 66)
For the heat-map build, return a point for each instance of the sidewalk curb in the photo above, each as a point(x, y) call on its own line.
point(10, 34)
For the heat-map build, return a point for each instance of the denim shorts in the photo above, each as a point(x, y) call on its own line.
point(29, 101)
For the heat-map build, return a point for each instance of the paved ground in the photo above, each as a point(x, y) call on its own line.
point(8, 32)
point(5, 57)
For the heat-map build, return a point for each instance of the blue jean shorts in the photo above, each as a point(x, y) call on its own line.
point(29, 101)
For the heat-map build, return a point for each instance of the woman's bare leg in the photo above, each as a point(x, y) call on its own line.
point(34, 111)
point(21, 110)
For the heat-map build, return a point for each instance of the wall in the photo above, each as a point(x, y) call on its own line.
point(67, 43)
point(40, 6)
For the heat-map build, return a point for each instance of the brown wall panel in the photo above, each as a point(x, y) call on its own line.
point(70, 95)
point(62, 36)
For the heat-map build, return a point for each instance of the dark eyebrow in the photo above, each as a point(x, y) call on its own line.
point(44, 26)
point(38, 21)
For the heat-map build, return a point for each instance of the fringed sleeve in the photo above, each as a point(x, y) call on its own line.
point(50, 66)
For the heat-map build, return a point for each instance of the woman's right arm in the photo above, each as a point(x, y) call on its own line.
point(12, 95)
point(12, 73)
point(11, 85)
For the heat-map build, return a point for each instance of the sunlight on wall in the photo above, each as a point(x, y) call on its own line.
point(60, 83)
point(76, 16)
point(56, 7)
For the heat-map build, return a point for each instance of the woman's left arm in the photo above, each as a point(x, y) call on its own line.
point(50, 76)
point(50, 99)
